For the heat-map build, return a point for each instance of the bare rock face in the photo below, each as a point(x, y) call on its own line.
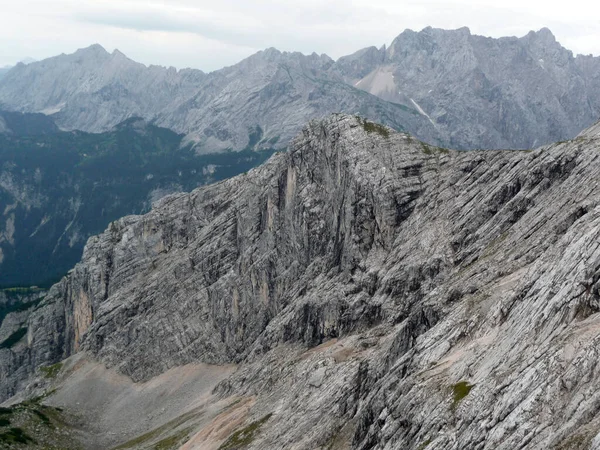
point(259, 103)
point(446, 87)
point(376, 293)
point(482, 92)
point(93, 90)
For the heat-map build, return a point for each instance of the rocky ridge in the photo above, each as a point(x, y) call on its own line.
point(482, 92)
point(259, 103)
point(375, 292)
point(446, 87)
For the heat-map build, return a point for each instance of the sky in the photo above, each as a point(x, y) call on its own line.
point(208, 35)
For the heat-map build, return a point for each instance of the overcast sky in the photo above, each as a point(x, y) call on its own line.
point(211, 34)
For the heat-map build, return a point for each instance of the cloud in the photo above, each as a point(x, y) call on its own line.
point(209, 35)
point(266, 24)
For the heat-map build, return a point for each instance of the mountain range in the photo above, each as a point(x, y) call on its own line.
point(447, 87)
point(364, 290)
point(372, 287)
point(4, 70)
point(260, 101)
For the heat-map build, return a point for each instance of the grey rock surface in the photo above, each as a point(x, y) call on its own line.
point(376, 292)
point(447, 87)
point(4, 70)
point(259, 103)
point(482, 92)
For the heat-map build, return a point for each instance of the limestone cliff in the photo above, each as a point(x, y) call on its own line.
point(374, 291)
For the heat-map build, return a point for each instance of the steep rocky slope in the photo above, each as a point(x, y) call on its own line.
point(4, 71)
point(260, 103)
point(447, 87)
point(483, 92)
point(375, 293)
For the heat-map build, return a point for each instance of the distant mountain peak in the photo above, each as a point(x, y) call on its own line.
point(92, 49)
point(460, 31)
point(118, 53)
point(545, 32)
point(544, 35)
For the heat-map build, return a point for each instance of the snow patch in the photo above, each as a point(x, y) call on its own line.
point(423, 113)
point(52, 109)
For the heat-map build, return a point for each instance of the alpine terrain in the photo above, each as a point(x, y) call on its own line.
point(447, 87)
point(363, 290)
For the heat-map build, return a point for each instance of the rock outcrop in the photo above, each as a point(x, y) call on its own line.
point(376, 293)
point(259, 103)
point(481, 92)
point(447, 87)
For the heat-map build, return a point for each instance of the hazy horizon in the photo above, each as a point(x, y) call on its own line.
point(29, 59)
point(208, 37)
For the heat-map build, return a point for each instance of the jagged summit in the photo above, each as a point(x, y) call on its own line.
point(543, 33)
point(447, 87)
point(94, 49)
point(371, 290)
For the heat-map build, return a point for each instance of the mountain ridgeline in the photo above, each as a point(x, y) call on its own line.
point(59, 188)
point(272, 92)
point(4, 71)
point(364, 290)
point(447, 87)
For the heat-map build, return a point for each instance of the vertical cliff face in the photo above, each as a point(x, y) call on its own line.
point(375, 291)
point(482, 92)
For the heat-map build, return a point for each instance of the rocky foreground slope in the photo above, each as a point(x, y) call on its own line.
point(373, 292)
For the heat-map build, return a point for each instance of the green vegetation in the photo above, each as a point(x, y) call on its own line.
point(459, 391)
point(244, 436)
point(424, 445)
point(80, 182)
point(432, 149)
point(372, 127)
point(34, 425)
point(52, 371)
point(577, 442)
point(174, 441)
point(16, 304)
point(15, 436)
point(21, 290)
point(165, 429)
point(10, 341)
point(37, 400)
point(28, 124)
point(43, 417)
